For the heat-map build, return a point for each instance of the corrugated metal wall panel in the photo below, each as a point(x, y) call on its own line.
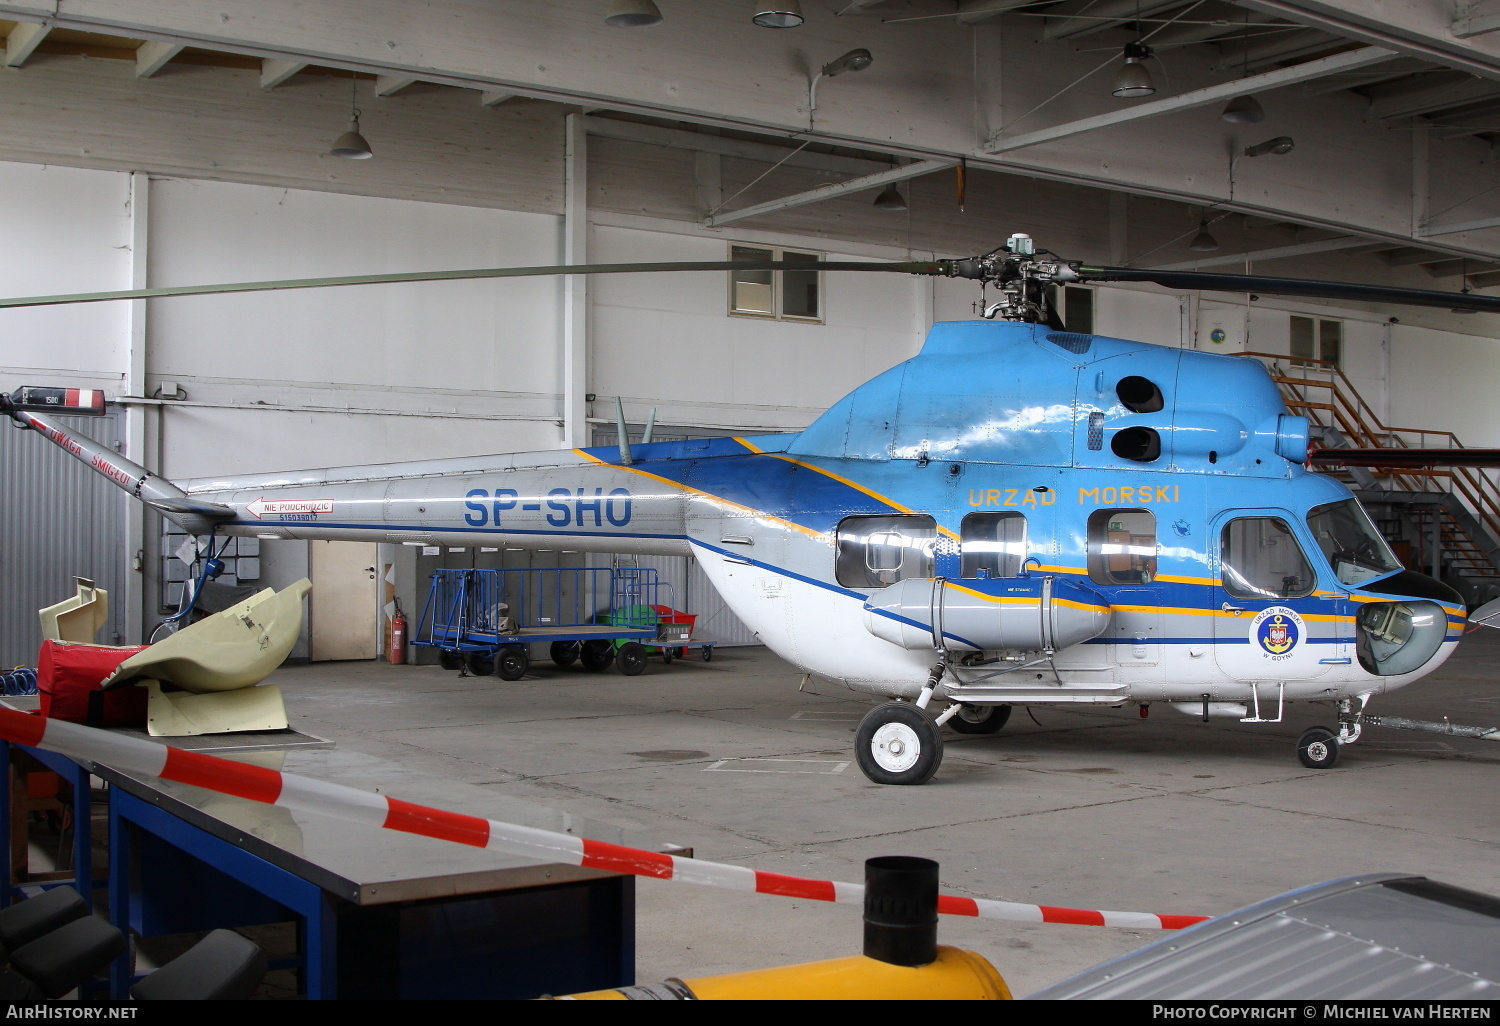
point(58, 519)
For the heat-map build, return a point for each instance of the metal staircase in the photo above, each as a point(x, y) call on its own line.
point(1444, 520)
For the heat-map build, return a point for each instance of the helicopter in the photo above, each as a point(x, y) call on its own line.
point(1018, 515)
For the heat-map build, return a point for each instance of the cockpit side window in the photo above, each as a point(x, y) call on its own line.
point(875, 552)
point(1259, 558)
point(993, 544)
point(1122, 546)
point(1355, 549)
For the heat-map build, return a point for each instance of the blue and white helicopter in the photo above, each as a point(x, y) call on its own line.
point(1018, 515)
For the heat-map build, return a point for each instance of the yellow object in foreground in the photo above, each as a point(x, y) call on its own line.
point(956, 975)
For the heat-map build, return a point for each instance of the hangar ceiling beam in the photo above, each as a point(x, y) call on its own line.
point(273, 72)
point(493, 97)
point(744, 149)
point(1421, 29)
point(818, 195)
point(390, 85)
point(1276, 253)
point(22, 42)
point(151, 57)
point(1453, 227)
point(1198, 97)
point(1473, 22)
point(1429, 94)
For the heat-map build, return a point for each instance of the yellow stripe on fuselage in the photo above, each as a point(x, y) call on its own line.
point(844, 481)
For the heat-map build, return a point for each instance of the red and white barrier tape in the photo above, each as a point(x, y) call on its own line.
point(135, 756)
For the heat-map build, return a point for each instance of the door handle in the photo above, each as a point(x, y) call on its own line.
point(1236, 610)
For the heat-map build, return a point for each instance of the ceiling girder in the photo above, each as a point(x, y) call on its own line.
point(22, 42)
point(1430, 93)
point(826, 192)
point(1274, 253)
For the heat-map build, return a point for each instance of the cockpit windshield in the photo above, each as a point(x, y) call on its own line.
point(1353, 546)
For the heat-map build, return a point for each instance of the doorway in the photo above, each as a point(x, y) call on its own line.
point(344, 604)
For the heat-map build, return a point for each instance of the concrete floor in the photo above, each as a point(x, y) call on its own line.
point(1094, 809)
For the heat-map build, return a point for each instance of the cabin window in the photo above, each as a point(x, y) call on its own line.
point(791, 294)
point(1317, 339)
point(875, 552)
point(1122, 546)
point(993, 544)
point(1259, 558)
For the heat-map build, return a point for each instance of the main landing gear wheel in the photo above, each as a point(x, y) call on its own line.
point(596, 655)
point(632, 658)
point(565, 653)
point(449, 660)
point(513, 662)
point(896, 743)
point(980, 719)
point(1318, 748)
point(481, 664)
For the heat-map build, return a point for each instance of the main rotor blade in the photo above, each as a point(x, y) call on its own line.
point(1216, 282)
point(1398, 458)
point(904, 267)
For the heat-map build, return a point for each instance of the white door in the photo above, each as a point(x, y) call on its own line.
point(344, 603)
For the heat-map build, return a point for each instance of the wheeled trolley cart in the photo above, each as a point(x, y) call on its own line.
point(486, 620)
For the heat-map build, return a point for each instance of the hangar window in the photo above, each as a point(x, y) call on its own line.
point(1317, 339)
point(994, 544)
point(791, 294)
point(1122, 546)
point(875, 552)
point(1259, 558)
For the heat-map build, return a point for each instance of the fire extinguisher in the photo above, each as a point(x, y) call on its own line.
point(396, 652)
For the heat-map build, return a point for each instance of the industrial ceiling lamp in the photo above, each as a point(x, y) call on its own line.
point(1134, 80)
point(632, 14)
point(785, 14)
point(1243, 110)
point(1279, 145)
point(1203, 242)
point(855, 60)
point(351, 144)
point(890, 199)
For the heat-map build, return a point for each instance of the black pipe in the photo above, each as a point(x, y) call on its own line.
point(901, 894)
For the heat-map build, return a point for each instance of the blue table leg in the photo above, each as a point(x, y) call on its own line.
point(320, 948)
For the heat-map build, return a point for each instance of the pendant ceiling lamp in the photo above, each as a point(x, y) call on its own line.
point(1244, 110)
point(351, 144)
point(632, 14)
point(1133, 79)
point(890, 199)
point(1203, 242)
point(786, 14)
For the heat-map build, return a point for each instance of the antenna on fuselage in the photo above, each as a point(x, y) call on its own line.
point(650, 427)
point(625, 456)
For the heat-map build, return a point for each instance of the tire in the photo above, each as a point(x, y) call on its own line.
point(1318, 748)
point(449, 660)
point(896, 743)
point(980, 719)
point(681, 652)
point(667, 655)
point(596, 655)
point(512, 662)
point(708, 653)
point(565, 653)
point(631, 658)
point(480, 664)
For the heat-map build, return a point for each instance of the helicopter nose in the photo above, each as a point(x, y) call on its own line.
point(1405, 632)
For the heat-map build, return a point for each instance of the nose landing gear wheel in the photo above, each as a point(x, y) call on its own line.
point(896, 743)
point(1318, 748)
point(980, 719)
